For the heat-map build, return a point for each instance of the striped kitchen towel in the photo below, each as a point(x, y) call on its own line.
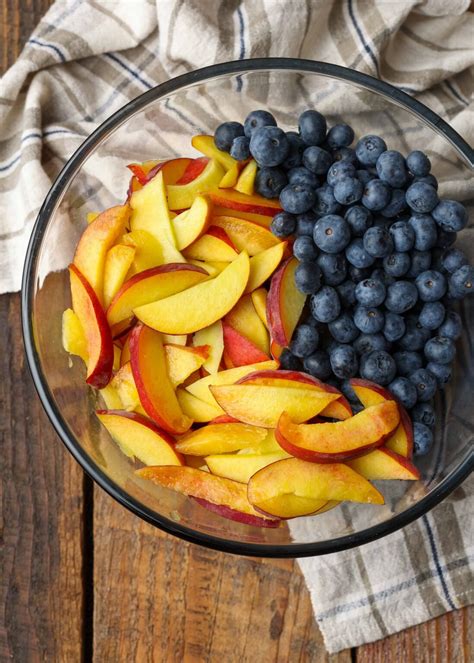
point(89, 57)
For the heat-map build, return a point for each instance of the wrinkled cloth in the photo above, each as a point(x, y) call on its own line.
point(89, 57)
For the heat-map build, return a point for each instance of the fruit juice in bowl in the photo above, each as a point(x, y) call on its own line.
point(262, 312)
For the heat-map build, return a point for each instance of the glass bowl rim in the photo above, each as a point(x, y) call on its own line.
point(70, 169)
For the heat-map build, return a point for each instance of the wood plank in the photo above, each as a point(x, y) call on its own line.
point(160, 599)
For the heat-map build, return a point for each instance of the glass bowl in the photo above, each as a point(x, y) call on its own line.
point(159, 125)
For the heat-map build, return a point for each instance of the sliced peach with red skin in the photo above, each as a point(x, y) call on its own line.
point(212, 489)
point(73, 337)
point(272, 486)
point(181, 196)
point(259, 300)
point(100, 348)
point(261, 219)
point(207, 146)
point(284, 304)
point(172, 170)
point(262, 266)
point(234, 200)
point(239, 349)
point(370, 393)
point(140, 437)
point(220, 438)
point(244, 319)
point(213, 337)
point(117, 263)
point(383, 464)
point(240, 467)
point(182, 361)
point(196, 409)
point(193, 170)
point(246, 182)
point(238, 516)
point(192, 223)
point(156, 392)
point(332, 442)
point(246, 235)
point(211, 246)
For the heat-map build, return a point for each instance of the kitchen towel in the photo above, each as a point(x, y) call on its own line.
point(88, 57)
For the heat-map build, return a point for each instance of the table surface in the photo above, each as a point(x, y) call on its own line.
point(85, 580)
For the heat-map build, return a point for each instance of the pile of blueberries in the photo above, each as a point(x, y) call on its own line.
point(374, 245)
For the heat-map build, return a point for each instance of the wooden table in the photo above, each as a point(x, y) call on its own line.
point(85, 580)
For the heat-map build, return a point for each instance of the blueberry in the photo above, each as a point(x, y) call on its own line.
point(394, 327)
point(365, 176)
point(348, 190)
point(331, 233)
point(382, 222)
point(431, 285)
point(422, 439)
point(317, 160)
point(305, 340)
point(425, 383)
point(446, 238)
point(357, 255)
point(348, 391)
point(432, 315)
point(269, 146)
point(423, 413)
point(288, 361)
point(338, 171)
point(257, 119)
point(376, 195)
point(343, 329)
point(369, 148)
point(450, 215)
point(397, 264)
point(415, 335)
point(325, 304)
point(401, 296)
point(378, 242)
point(367, 343)
point(240, 148)
point(340, 135)
point(225, 134)
point(425, 230)
point(359, 273)
point(452, 259)
point(325, 201)
point(295, 155)
point(370, 292)
point(422, 197)
point(403, 236)
point(462, 280)
point(283, 224)
point(440, 349)
point(330, 343)
point(380, 274)
point(269, 182)
point(407, 362)
point(344, 362)
point(333, 267)
point(379, 367)
point(391, 168)
point(305, 224)
point(420, 262)
point(418, 163)
point(344, 154)
point(312, 127)
point(318, 365)
point(304, 249)
point(452, 326)
point(442, 372)
point(359, 219)
point(297, 198)
point(427, 179)
point(404, 391)
point(346, 292)
point(369, 320)
point(396, 204)
point(302, 175)
point(308, 278)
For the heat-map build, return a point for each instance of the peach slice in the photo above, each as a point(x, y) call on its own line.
point(262, 266)
point(260, 219)
point(240, 467)
point(275, 349)
point(245, 183)
point(91, 216)
point(259, 300)
point(201, 305)
point(125, 354)
point(262, 405)
point(193, 170)
point(330, 442)
point(117, 263)
point(268, 446)
point(126, 389)
point(246, 235)
point(111, 398)
point(208, 487)
point(195, 408)
point(285, 303)
point(175, 339)
point(148, 251)
point(200, 389)
point(206, 145)
point(100, 349)
point(370, 393)
point(235, 200)
point(150, 213)
point(149, 368)
point(244, 319)
point(213, 337)
point(139, 437)
point(182, 361)
point(382, 464)
point(96, 240)
point(240, 351)
point(210, 247)
point(73, 337)
point(294, 506)
point(220, 438)
point(192, 223)
point(181, 196)
point(151, 285)
point(117, 353)
point(271, 486)
point(172, 170)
